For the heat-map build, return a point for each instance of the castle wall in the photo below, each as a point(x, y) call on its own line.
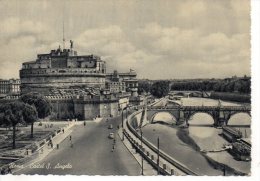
point(59, 62)
point(107, 109)
point(91, 111)
point(62, 109)
point(41, 83)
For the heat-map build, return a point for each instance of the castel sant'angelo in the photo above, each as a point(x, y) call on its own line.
point(79, 86)
point(63, 69)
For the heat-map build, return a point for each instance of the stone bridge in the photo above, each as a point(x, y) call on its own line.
point(183, 114)
point(190, 93)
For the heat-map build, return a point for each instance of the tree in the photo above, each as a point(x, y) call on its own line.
point(160, 89)
point(40, 103)
point(30, 115)
point(13, 114)
point(143, 87)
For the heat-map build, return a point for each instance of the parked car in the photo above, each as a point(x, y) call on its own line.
point(111, 136)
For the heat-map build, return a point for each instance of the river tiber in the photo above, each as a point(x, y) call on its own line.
point(102, 91)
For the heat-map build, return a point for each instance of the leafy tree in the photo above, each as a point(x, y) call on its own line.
point(30, 116)
point(41, 105)
point(160, 89)
point(144, 87)
point(225, 85)
point(237, 86)
point(13, 114)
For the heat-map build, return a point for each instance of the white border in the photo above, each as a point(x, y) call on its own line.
point(255, 45)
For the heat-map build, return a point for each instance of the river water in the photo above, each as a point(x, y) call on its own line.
point(185, 145)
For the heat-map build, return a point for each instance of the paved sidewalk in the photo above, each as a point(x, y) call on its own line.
point(46, 149)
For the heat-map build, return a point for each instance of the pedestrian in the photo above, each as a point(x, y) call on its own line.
point(70, 137)
point(51, 143)
point(2, 171)
point(9, 170)
point(84, 123)
point(63, 130)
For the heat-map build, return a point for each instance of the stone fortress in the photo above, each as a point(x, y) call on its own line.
point(79, 86)
point(63, 69)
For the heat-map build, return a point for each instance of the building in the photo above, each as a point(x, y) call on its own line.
point(63, 69)
point(128, 79)
point(11, 86)
point(115, 84)
point(87, 106)
point(78, 86)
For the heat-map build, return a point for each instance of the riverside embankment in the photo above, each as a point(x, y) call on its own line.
point(185, 144)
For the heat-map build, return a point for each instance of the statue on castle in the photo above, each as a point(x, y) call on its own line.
point(71, 44)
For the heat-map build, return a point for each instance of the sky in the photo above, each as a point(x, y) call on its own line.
point(159, 39)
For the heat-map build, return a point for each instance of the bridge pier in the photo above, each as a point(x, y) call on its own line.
point(181, 119)
point(221, 122)
point(220, 118)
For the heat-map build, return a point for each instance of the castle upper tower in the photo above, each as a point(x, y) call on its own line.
point(62, 69)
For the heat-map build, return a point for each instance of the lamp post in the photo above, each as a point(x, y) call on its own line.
point(123, 121)
point(142, 150)
point(158, 155)
point(126, 111)
point(122, 118)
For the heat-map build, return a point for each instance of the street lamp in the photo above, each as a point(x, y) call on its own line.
point(123, 122)
point(142, 150)
point(123, 116)
point(158, 155)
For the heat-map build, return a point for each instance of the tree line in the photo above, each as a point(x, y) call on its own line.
point(162, 88)
point(236, 85)
point(28, 109)
point(158, 89)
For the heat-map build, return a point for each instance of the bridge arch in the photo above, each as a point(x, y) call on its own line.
point(163, 117)
point(201, 118)
point(239, 119)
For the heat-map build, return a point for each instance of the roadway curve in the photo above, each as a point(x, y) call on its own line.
point(91, 153)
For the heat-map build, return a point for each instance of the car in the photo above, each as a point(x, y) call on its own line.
point(110, 126)
point(111, 136)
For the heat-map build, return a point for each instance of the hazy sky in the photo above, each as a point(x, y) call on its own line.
point(157, 38)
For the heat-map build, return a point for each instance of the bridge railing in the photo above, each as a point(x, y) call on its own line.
point(192, 108)
point(148, 156)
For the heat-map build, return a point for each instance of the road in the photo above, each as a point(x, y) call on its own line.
point(90, 155)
